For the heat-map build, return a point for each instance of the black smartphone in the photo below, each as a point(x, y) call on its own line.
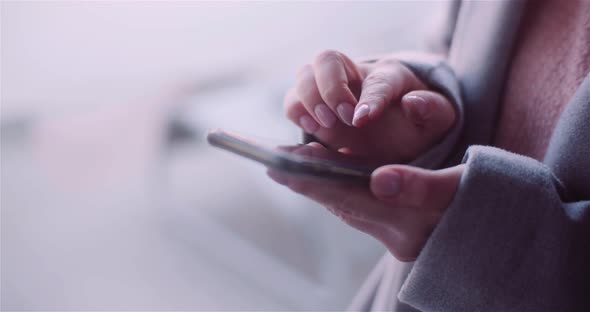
point(289, 162)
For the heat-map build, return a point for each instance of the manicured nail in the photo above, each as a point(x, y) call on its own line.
point(308, 124)
point(361, 112)
point(387, 184)
point(418, 104)
point(345, 111)
point(325, 115)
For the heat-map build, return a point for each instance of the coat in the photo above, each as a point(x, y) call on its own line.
point(516, 236)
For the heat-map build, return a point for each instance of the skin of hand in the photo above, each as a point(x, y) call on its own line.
point(383, 113)
point(400, 209)
point(379, 111)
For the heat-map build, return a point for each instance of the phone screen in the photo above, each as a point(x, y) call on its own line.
point(289, 162)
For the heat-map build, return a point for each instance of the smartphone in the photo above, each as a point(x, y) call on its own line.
point(288, 162)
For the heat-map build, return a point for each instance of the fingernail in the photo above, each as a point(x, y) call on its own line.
point(361, 112)
point(308, 124)
point(418, 104)
point(325, 115)
point(387, 184)
point(345, 111)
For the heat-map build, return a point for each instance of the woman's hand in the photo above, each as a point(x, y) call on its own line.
point(381, 111)
point(401, 208)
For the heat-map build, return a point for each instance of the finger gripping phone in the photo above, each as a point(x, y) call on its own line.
point(289, 162)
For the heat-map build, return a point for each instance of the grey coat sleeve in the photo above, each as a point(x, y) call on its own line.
point(511, 240)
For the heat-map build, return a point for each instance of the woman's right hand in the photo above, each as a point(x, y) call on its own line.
point(400, 208)
point(380, 111)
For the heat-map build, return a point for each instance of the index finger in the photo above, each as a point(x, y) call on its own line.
point(355, 201)
point(335, 72)
point(387, 82)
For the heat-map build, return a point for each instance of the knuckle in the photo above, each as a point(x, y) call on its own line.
point(333, 92)
point(389, 62)
point(328, 56)
point(377, 79)
point(304, 71)
point(393, 67)
point(307, 94)
point(347, 206)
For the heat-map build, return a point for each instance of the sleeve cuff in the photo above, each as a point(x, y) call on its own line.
point(488, 252)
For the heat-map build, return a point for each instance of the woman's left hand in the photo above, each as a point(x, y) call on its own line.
point(401, 208)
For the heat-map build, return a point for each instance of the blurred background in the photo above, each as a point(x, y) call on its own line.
point(110, 197)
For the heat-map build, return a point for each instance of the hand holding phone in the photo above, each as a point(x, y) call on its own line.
point(282, 159)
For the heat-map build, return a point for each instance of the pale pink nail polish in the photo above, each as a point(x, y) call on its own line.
point(325, 115)
point(346, 112)
point(308, 124)
point(418, 104)
point(361, 113)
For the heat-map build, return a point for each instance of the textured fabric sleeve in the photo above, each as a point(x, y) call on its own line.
point(511, 240)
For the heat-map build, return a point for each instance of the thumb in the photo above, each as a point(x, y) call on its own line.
point(429, 110)
point(407, 186)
